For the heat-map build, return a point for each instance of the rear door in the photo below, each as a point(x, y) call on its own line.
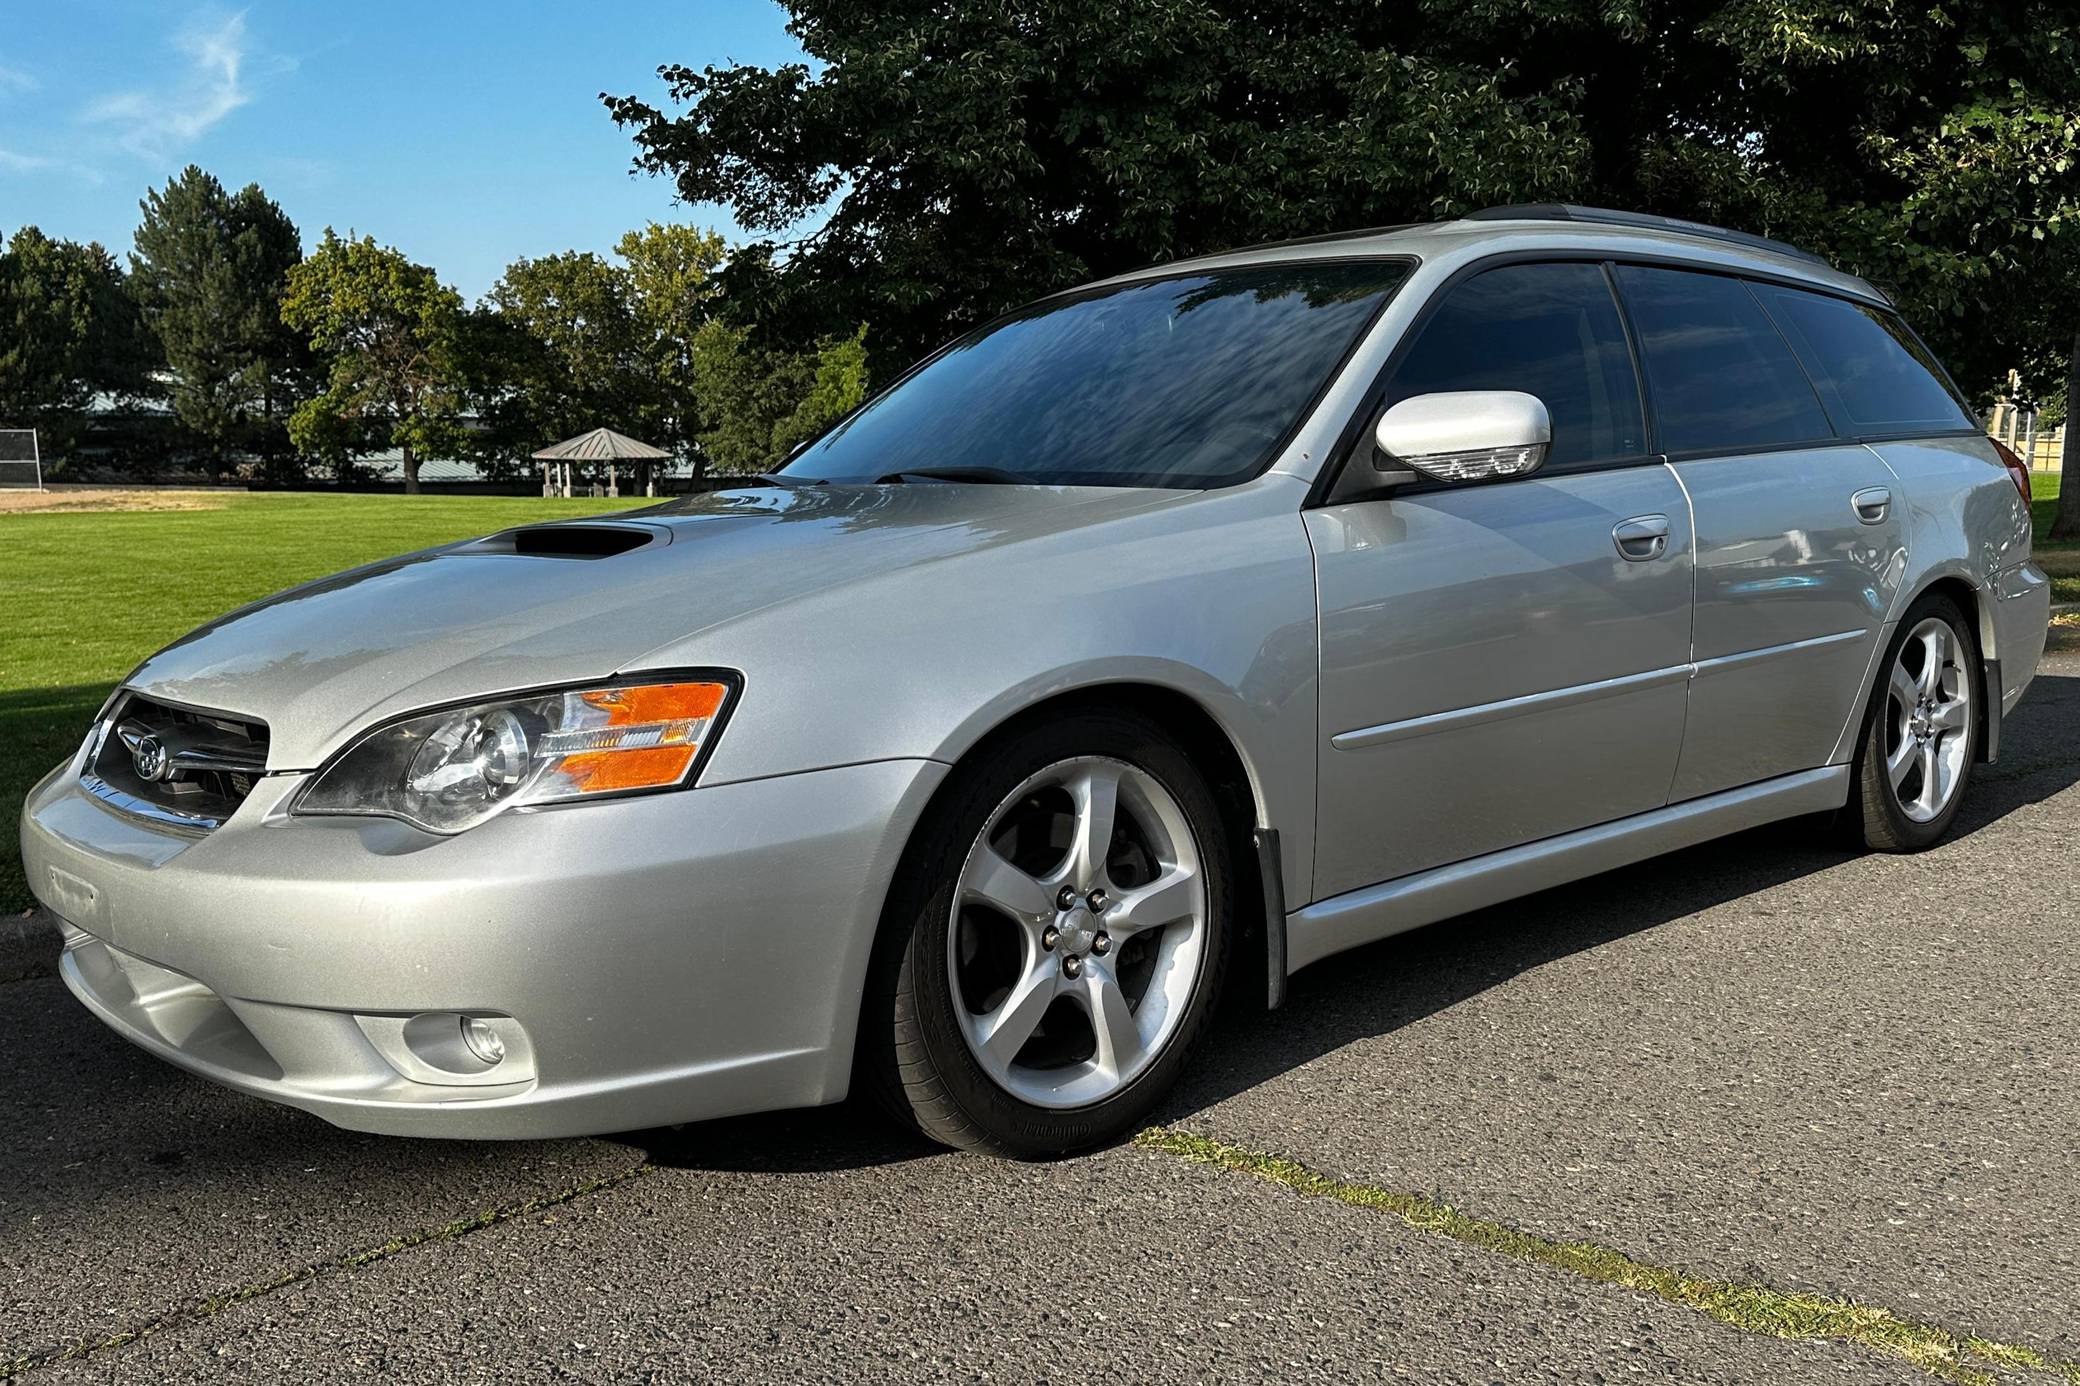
point(1502, 662)
point(1799, 547)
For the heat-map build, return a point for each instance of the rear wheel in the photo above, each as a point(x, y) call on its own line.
point(1922, 732)
point(1057, 943)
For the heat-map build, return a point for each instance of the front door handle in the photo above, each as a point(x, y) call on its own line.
point(1642, 538)
point(1871, 504)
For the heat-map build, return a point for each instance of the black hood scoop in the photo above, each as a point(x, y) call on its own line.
point(570, 540)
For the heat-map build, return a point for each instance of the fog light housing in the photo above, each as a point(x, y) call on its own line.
point(483, 1041)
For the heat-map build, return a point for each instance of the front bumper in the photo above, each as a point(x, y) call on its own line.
point(649, 960)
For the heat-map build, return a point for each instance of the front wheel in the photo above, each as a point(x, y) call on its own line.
point(1922, 732)
point(1057, 942)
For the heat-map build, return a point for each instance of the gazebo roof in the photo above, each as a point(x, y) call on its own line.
point(600, 445)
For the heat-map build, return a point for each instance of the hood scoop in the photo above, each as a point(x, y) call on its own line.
point(570, 540)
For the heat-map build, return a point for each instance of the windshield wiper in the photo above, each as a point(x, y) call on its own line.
point(994, 476)
point(781, 479)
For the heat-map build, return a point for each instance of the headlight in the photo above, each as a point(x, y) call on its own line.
point(452, 769)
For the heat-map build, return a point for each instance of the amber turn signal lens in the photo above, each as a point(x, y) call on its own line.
point(658, 702)
point(643, 736)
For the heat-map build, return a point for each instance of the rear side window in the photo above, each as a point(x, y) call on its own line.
point(1548, 330)
point(1873, 375)
point(1719, 374)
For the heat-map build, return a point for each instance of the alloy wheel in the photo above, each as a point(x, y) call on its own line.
point(1928, 721)
point(1079, 932)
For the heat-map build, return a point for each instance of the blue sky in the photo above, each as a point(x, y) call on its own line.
point(464, 132)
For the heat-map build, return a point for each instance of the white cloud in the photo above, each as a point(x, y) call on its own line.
point(14, 161)
point(214, 83)
point(13, 79)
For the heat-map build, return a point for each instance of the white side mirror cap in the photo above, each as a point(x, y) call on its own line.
point(1466, 435)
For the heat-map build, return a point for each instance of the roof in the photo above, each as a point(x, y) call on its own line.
point(1450, 244)
point(600, 445)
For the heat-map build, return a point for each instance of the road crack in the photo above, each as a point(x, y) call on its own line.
point(1751, 1308)
point(213, 1305)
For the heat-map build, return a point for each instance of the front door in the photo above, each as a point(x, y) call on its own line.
point(1503, 662)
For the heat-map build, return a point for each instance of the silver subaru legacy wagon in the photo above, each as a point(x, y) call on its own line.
point(1165, 636)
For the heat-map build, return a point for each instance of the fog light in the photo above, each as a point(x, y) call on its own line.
point(483, 1041)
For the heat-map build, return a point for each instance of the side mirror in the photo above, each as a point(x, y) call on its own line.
point(1465, 435)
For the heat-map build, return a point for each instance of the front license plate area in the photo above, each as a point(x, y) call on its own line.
point(77, 899)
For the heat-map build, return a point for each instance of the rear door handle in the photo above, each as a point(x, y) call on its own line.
point(1871, 504)
point(1642, 538)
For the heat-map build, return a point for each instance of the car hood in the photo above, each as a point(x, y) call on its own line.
point(320, 662)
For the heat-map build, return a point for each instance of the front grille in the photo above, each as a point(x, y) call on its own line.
point(175, 765)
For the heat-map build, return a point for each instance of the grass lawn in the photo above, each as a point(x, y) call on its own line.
point(85, 595)
point(2062, 561)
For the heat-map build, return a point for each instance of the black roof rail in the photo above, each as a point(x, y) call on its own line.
point(1604, 216)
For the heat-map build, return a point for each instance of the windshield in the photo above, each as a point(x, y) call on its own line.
point(1187, 381)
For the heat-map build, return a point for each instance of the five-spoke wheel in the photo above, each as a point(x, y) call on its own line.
point(1057, 940)
point(1080, 933)
point(1928, 720)
point(1922, 733)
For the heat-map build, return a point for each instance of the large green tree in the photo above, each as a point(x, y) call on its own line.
point(953, 160)
point(671, 279)
point(759, 402)
point(69, 331)
point(570, 355)
point(209, 271)
point(392, 333)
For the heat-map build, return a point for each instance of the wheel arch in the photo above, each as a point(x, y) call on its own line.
point(1213, 745)
point(1961, 587)
point(1955, 582)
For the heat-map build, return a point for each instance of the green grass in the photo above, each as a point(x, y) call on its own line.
point(85, 595)
point(2061, 560)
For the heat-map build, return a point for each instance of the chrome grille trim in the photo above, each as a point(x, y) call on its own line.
point(173, 766)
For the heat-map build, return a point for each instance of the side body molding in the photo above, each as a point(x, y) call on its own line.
point(1381, 911)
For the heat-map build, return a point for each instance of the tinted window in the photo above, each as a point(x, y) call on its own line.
point(1187, 381)
point(1548, 330)
point(1871, 372)
point(1719, 374)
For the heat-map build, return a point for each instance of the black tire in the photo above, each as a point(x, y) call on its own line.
point(1875, 815)
point(913, 1052)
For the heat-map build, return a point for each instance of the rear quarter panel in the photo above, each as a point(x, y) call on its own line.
point(1963, 519)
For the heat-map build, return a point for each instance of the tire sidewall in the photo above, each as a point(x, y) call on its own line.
point(923, 915)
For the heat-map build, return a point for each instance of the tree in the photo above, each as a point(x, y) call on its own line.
point(757, 403)
point(956, 160)
point(392, 332)
point(209, 271)
point(672, 292)
point(571, 356)
point(68, 332)
point(837, 385)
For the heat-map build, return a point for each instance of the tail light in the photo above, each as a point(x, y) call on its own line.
point(2017, 472)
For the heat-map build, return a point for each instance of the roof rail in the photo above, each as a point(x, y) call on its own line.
point(1320, 238)
point(1604, 216)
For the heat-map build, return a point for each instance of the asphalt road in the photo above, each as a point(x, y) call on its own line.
point(1764, 1061)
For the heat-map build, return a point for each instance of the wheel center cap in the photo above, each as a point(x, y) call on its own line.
point(1075, 931)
